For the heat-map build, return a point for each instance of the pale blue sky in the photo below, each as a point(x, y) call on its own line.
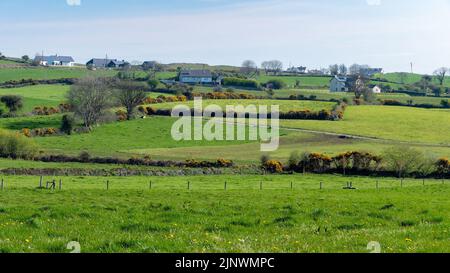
point(315, 33)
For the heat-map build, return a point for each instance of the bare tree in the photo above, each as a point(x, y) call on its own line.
point(359, 87)
point(249, 68)
point(266, 66)
point(440, 74)
point(130, 95)
point(343, 70)
point(334, 69)
point(90, 98)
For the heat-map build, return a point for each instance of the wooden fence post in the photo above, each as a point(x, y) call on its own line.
point(2, 185)
point(189, 185)
point(60, 184)
point(225, 185)
point(107, 184)
point(40, 182)
point(150, 185)
point(261, 185)
point(292, 185)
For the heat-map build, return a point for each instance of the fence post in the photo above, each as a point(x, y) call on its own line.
point(292, 185)
point(261, 185)
point(189, 185)
point(321, 185)
point(40, 182)
point(1, 185)
point(150, 185)
point(60, 184)
point(107, 184)
point(225, 185)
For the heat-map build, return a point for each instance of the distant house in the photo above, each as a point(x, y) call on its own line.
point(341, 84)
point(196, 77)
point(316, 72)
point(297, 70)
point(55, 60)
point(149, 65)
point(106, 63)
point(98, 63)
point(117, 64)
point(376, 89)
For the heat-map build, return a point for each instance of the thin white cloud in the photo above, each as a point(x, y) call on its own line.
point(312, 33)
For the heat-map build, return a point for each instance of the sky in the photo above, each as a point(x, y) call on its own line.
point(314, 33)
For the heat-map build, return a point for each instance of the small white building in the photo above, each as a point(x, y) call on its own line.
point(376, 89)
point(55, 60)
point(196, 77)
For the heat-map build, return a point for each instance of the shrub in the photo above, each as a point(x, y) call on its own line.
point(275, 84)
point(16, 146)
point(121, 115)
point(12, 102)
point(445, 103)
point(67, 124)
point(443, 166)
point(273, 166)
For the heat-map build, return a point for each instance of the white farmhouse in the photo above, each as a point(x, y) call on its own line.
point(196, 77)
point(55, 60)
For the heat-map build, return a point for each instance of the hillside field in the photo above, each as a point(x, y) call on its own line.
point(39, 73)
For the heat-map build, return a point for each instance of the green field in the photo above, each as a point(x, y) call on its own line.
point(41, 73)
point(168, 218)
point(284, 105)
point(386, 122)
point(38, 95)
point(410, 78)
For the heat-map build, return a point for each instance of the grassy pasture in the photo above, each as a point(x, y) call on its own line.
point(285, 106)
point(169, 218)
point(118, 138)
point(48, 73)
point(38, 95)
point(385, 122)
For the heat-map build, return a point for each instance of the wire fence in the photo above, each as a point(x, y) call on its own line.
point(212, 183)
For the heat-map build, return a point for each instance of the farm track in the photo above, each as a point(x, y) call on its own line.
point(350, 136)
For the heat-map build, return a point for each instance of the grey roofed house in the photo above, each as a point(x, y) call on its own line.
point(196, 76)
point(97, 62)
point(116, 63)
point(55, 60)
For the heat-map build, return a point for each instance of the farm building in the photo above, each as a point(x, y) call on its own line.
point(376, 89)
point(297, 70)
point(341, 84)
point(55, 60)
point(106, 63)
point(196, 77)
